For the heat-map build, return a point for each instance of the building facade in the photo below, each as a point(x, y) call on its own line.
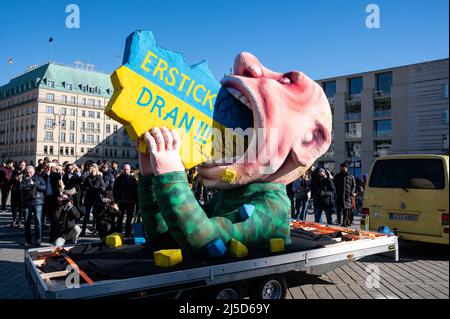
point(401, 110)
point(58, 111)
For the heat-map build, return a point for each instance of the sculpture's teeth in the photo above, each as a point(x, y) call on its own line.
point(244, 100)
point(235, 93)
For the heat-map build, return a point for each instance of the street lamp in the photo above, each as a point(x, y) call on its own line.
point(59, 118)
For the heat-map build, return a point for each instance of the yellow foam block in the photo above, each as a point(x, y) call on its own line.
point(114, 240)
point(237, 249)
point(229, 176)
point(168, 257)
point(276, 245)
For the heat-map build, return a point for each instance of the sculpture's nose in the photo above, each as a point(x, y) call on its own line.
point(246, 64)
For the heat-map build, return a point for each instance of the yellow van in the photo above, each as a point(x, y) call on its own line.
point(409, 194)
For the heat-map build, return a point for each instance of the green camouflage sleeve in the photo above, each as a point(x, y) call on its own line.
point(154, 223)
point(192, 229)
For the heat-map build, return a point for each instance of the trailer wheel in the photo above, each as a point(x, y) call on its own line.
point(232, 292)
point(273, 287)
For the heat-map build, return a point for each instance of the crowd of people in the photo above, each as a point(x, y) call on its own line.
point(62, 198)
point(339, 195)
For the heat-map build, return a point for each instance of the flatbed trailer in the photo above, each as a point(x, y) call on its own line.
point(262, 277)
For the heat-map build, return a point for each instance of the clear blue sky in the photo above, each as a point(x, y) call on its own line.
point(322, 38)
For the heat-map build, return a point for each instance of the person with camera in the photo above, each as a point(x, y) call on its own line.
point(326, 195)
point(72, 180)
point(107, 219)
point(94, 187)
point(68, 230)
point(126, 195)
point(16, 196)
point(6, 173)
point(33, 188)
point(53, 181)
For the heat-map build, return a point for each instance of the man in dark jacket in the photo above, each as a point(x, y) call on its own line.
point(16, 196)
point(325, 197)
point(72, 181)
point(33, 189)
point(6, 173)
point(125, 194)
point(53, 182)
point(345, 190)
point(68, 215)
point(108, 177)
point(94, 188)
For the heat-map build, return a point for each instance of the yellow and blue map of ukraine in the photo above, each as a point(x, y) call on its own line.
point(155, 87)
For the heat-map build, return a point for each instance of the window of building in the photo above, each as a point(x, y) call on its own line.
point(82, 150)
point(72, 125)
point(49, 123)
point(355, 85)
point(49, 109)
point(91, 114)
point(72, 151)
point(33, 109)
point(353, 111)
point(83, 101)
point(90, 127)
point(63, 111)
point(72, 138)
point(72, 112)
point(48, 136)
point(353, 130)
point(82, 138)
point(382, 128)
point(51, 150)
point(63, 124)
point(62, 137)
point(382, 148)
point(69, 86)
point(115, 128)
point(330, 88)
point(99, 103)
point(67, 151)
point(123, 153)
point(90, 139)
point(45, 149)
point(97, 127)
point(382, 108)
point(384, 82)
point(108, 129)
point(61, 150)
point(115, 140)
point(107, 142)
point(98, 115)
point(51, 84)
point(64, 99)
point(73, 100)
point(83, 113)
point(445, 91)
point(445, 117)
point(97, 139)
point(115, 153)
point(353, 149)
point(91, 102)
point(50, 97)
point(83, 126)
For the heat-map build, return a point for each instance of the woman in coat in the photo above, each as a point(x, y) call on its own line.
point(94, 187)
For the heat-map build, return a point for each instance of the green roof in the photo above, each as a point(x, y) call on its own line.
point(82, 81)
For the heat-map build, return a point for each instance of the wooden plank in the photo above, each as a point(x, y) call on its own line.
point(55, 274)
point(336, 293)
point(297, 293)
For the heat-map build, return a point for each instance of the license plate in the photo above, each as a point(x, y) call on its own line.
point(403, 217)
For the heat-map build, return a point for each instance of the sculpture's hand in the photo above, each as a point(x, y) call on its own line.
point(164, 146)
point(145, 166)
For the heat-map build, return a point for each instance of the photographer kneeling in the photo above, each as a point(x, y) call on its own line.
point(68, 216)
point(108, 218)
